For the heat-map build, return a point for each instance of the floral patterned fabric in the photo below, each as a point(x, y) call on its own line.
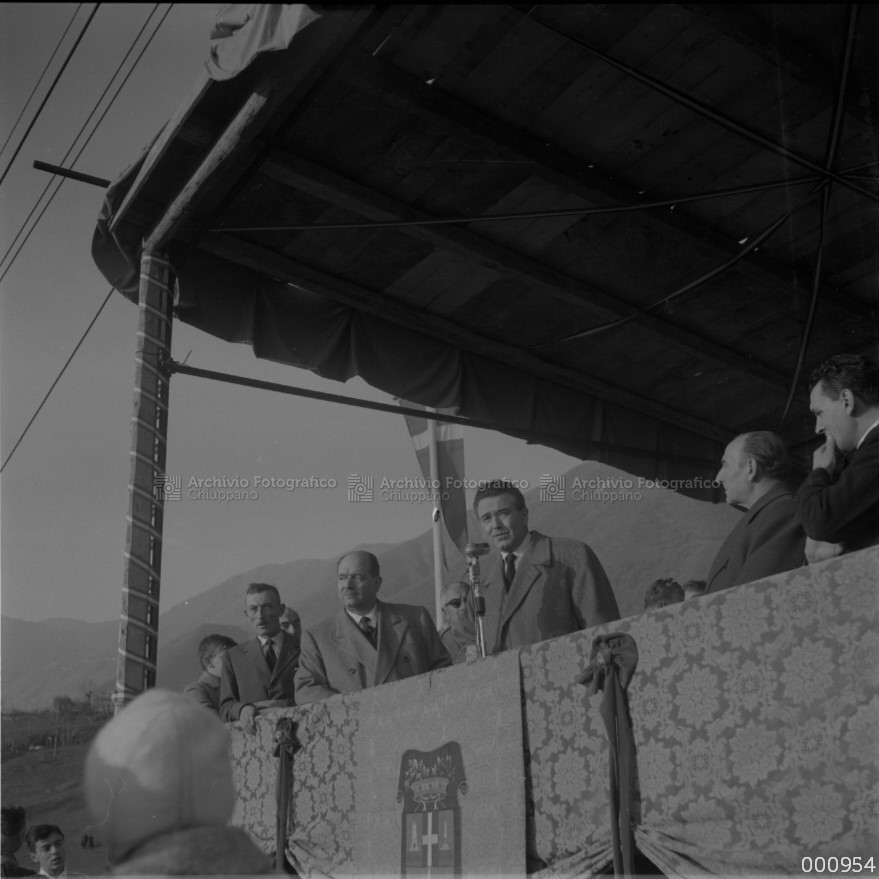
point(755, 714)
point(756, 721)
point(345, 817)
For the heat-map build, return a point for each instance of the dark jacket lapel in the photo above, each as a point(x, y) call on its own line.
point(537, 557)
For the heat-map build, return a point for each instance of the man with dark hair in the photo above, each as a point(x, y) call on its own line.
point(459, 633)
point(292, 624)
point(769, 538)
point(839, 500)
point(46, 845)
point(259, 674)
point(535, 587)
point(663, 592)
point(369, 642)
point(13, 824)
point(206, 690)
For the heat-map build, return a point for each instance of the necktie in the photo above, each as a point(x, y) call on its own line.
point(509, 570)
point(270, 656)
point(368, 630)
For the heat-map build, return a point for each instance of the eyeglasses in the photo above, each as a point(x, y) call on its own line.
point(455, 603)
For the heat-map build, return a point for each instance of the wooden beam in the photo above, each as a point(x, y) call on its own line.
point(802, 64)
point(297, 172)
point(275, 265)
point(406, 92)
point(287, 82)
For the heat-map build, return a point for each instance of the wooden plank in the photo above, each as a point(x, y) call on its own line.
point(551, 163)
point(300, 174)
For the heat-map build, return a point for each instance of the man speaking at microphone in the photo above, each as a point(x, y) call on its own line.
point(536, 587)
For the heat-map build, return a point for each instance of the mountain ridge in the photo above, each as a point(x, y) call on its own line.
point(666, 534)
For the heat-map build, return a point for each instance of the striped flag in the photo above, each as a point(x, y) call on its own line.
point(450, 467)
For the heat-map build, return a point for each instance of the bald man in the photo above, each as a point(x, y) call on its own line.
point(369, 642)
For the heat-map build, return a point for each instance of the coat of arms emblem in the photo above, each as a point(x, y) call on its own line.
point(429, 787)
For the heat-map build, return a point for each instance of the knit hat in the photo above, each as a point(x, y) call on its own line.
point(161, 764)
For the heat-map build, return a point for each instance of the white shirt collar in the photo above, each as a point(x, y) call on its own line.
point(371, 615)
point(275, 639)
point(874, 424)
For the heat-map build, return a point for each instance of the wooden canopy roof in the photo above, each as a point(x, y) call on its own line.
point(700, 183)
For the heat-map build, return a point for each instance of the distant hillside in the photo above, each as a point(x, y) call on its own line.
point(641, 534)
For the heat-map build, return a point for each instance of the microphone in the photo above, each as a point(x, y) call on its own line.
point(475, 550)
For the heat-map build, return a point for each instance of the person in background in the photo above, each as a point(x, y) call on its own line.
point(158, 781)
point(46, 844)
point(662, 592)
point(292, 624)
point(694, 588)
point(206, 690)
point(459, 632)
point(13, 825)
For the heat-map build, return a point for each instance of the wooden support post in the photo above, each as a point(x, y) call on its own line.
point(148, 486)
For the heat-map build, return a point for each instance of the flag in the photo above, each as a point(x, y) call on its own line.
point(450, 467)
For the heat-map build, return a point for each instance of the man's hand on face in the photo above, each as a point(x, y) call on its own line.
point(825, 456)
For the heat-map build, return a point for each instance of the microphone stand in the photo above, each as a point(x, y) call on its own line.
point(473, 551)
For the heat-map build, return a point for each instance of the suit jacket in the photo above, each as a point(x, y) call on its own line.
point(246, 677)
point(559, 588)
point(337, 658)
point(205, 691)
point(845, 508)
point(768, 539)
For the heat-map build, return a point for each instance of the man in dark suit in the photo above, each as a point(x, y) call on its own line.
point(259, 674)
point(839, 500)
point(769, 538)
point(536, 587)
point(368, 642)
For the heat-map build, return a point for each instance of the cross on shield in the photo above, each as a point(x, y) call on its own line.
point(430, 783)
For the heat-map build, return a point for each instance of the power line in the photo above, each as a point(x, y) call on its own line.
point(49, 93)
point(63, 368)
point(27, 103)
point(60, 182)
point(110, 292)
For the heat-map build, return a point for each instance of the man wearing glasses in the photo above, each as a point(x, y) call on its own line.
point(460, 630)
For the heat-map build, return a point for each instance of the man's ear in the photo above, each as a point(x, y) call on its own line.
point(848, 401)
point(378, 583)
point(753, 470)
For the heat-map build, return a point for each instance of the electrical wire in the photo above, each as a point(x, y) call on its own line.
point(27, 103)
point(58, 378)
point(49, 93)
point(110, 292)
point(530, 215)
point(60, 182)
point(752, 244)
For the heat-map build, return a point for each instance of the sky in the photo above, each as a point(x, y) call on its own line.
point(63, 493)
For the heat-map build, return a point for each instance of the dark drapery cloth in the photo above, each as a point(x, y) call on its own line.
point(613, 661)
